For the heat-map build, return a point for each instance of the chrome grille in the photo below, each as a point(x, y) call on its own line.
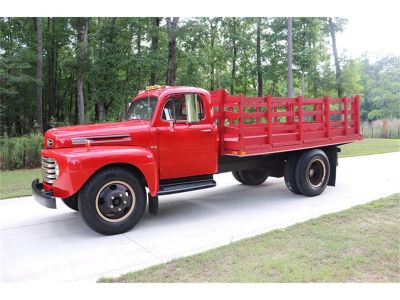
point(49, 170)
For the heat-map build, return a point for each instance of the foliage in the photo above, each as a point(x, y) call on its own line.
point(381, 79)
point(119, 61)
point(20, 152)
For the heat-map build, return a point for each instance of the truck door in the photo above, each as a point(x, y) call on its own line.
point(186, 147)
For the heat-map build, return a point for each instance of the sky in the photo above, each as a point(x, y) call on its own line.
point(376, 35)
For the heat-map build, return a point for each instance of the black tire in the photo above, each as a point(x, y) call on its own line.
point(290, 172)
point(253, 177)
point(236, 175)
point(112, 201)
point(312, 172)
point(71, 202)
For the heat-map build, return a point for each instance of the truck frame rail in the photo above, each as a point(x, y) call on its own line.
point(261, 125)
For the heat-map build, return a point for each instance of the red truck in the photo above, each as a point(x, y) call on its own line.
point(174, 139)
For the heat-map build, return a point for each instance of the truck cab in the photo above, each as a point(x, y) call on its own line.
point(173, 140)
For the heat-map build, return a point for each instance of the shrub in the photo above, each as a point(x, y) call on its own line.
point(20, 152)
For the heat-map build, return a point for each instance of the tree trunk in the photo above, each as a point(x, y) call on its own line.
point(100, 111)
point(289, 57)
point(154, 48)
point(212, 58)
point(234, 55)
point(171, 71)
point(302, 83)
point(39, 74)
point(259, 73)
point(139, 55)
point(332, 30)
point(80, 76)
point(51, 68)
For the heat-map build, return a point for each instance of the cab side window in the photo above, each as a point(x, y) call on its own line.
point(175, 108)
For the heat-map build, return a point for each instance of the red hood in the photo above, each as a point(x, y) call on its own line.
point(133, 132)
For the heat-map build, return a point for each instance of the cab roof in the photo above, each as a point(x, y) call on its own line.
point(160, 91)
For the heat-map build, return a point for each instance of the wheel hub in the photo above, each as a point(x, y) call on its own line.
point(316, 173)
point(115, 201)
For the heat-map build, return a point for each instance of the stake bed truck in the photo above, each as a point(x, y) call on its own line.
point(174, 139)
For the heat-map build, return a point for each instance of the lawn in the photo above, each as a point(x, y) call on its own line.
point(370, 146)
point(361, 244)
point(17, 183)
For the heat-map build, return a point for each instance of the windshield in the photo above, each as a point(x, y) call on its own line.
point(142, 109)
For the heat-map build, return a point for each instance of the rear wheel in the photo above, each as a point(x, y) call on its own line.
point(112, 201)
point(312, 172)
point(290, 172)
point(71, 202)
point(252, 177)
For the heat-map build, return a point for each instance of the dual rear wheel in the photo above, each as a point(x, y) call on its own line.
point(307, 173)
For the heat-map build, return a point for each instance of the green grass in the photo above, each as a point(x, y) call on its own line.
point(17, 183)
point(370, 146)
point(361, 244)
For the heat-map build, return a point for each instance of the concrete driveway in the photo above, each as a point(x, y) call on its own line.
point(55, 245)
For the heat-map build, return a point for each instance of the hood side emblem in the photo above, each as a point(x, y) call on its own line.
point(50, 143)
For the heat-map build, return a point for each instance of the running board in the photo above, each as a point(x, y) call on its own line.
point(180, 187)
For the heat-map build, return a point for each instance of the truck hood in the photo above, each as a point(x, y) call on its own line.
point(132, 132)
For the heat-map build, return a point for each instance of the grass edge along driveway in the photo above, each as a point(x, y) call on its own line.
point(361, 244)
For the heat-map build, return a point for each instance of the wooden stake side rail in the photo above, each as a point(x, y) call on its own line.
point(261, 125)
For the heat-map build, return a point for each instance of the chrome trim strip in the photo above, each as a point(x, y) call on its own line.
point(48, 170)
point(101, 139)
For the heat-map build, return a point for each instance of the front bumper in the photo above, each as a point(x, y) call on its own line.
point(44, 198)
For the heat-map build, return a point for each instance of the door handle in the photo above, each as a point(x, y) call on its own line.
point(206, 130)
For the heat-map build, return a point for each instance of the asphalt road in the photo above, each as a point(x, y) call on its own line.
point(40, 244)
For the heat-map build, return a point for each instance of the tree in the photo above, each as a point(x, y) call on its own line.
point(81, 54)
point(172, 25)
point(380, 83)
point(258, 50)
point(234, 54)
point(309, 53)
point(332, 30)
point(119, 55)
point(289, 57)
point(351, 78)
point(213, 22)
point(154, 48)
point(51, 66)
point(39, 74)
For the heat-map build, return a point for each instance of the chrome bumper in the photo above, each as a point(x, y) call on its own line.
point(44, 198)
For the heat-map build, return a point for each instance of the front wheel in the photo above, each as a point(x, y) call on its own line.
point(236, 175)
point(71, 202)
point(251, 177)
point(112, 201)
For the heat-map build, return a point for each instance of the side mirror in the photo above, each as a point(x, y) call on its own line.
point(191, 108)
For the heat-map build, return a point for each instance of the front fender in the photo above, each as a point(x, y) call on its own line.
point(78, 164)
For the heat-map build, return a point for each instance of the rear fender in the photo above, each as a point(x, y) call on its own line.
point(332, 153)
point(77, 165)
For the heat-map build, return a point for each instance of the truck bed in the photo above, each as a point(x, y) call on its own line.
point(262, 125)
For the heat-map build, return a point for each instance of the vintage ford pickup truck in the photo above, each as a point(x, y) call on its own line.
point(174, 139)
